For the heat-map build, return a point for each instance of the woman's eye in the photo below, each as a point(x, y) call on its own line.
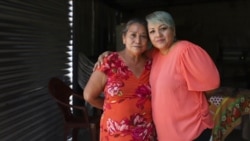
point(150, 32)
point(144, 36)
point(133, 35)
point(164, 28)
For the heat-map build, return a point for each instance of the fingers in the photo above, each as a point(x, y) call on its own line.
point(100, 59)
point(96, 66)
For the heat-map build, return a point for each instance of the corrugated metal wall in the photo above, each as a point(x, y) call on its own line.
point(34, 35)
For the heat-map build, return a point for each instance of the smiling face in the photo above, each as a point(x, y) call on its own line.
point(161, 35)
point(161, 28)
point(135, 39)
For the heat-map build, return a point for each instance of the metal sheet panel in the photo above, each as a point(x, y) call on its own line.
point(34, 40)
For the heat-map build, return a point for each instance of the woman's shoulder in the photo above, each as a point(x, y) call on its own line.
point(111, 56)
point(109, 61)
point(186, 45)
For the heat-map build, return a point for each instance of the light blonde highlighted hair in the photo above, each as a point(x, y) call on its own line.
point(161, 17)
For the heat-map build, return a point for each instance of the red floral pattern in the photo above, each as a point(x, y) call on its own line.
point(228, 115)
point(127, 105)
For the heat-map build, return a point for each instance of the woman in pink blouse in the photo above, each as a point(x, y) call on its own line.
point(182, 74)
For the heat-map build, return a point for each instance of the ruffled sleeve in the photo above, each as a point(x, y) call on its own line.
point(198, 68)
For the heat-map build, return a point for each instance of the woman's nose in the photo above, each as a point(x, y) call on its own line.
point(137, 39)
point(158, 33)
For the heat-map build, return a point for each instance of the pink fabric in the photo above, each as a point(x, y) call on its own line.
point(180, 109)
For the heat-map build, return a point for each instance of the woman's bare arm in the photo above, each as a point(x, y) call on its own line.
point(94, 88)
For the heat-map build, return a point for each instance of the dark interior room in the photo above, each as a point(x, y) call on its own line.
point(41, 40)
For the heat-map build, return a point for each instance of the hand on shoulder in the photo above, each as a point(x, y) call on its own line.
point(100, 59)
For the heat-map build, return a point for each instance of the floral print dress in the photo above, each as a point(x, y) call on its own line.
point(127, 113)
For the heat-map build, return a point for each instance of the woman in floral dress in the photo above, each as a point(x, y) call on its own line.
point(124, 80)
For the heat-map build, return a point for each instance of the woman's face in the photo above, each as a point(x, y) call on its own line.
point(136, 39)
point(161, 35)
